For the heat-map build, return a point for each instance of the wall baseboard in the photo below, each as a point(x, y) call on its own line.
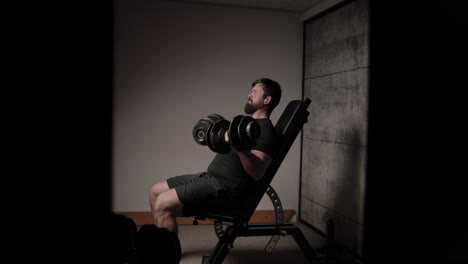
point(258, 217)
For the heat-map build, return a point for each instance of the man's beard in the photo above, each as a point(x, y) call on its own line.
point(250, 108)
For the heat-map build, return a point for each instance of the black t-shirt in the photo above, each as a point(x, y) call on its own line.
point(228, 169)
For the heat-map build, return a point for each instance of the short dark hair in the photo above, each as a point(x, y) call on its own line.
point(271, 88)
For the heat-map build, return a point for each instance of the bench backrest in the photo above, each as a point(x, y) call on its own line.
point(288, 127)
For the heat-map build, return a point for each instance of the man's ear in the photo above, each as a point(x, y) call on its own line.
point(267, 100)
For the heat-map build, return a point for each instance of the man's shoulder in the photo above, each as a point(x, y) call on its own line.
point(265, 121)
point(266, 124)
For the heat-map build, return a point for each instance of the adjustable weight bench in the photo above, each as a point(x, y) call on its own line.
point(288, 127)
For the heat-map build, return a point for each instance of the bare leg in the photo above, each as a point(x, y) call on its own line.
point(166, 208)
point(154, 192)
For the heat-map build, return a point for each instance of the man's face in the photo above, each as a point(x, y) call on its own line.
point(255, 99)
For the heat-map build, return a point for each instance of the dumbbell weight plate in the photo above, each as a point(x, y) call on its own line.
point(253, 129)
point(248, 131)
point(215, 117)
point(243, 139)
point(215, 139)
point(233, 133)
point(200, 130)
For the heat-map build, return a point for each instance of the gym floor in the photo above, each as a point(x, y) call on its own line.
point(200, 240)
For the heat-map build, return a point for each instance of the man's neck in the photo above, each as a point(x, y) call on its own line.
point(261, 113)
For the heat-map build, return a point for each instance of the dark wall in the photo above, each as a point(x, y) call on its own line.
point(62, 112)
point(417, 142)
point(334, 146)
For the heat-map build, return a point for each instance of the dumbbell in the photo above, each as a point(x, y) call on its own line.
point(242, 133)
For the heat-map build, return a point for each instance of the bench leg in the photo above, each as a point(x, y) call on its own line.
point(223, 246)
point(301, 240)
point(286, 229)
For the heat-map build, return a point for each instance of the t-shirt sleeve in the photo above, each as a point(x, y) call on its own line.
point(266, 141)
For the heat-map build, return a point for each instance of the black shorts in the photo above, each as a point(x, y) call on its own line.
point(200, 193)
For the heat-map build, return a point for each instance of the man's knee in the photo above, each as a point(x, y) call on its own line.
point(168, 202)
point(160, 204)
point(158, 188)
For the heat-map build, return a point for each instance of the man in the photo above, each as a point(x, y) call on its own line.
point(229, 175)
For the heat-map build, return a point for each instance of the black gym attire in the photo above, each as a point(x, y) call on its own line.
point(225, 179)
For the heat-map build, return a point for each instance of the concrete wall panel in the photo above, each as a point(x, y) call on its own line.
point(333, 177)
point(339, 107)
point(346, 229)
point(331, 48)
